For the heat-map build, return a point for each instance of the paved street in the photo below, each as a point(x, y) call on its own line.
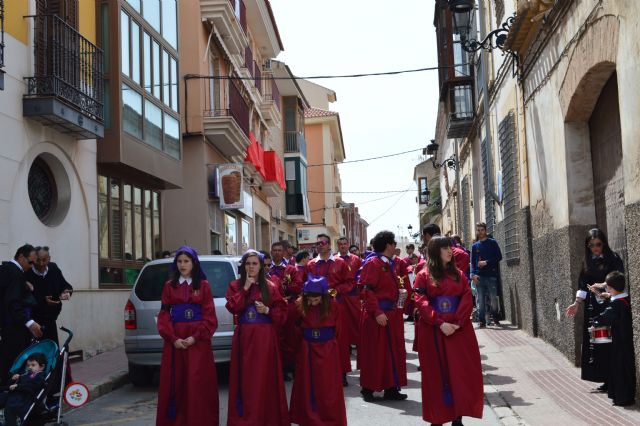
point(136, 406)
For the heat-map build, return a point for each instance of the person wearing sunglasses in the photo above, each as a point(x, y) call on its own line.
point(599, 261)
point(16, 302)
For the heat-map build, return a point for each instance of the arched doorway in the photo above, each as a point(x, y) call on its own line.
point(606, 162)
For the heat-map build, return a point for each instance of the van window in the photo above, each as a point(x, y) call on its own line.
point(153, 277)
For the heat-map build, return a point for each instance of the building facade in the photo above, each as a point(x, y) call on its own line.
point(552, 151)
point(355, 227)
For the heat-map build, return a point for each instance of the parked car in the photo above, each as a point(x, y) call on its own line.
point(142, 342)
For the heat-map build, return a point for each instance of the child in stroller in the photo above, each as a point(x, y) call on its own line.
point(17, 399)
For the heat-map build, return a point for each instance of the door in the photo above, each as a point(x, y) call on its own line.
point(608, 175)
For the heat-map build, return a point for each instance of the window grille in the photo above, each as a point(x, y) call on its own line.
point(510, 203)
point(466, 213)
point(489, 208)
point(499, 12)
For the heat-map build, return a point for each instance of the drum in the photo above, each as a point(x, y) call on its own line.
point(600, 335)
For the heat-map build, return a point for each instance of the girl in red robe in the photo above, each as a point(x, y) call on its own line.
point(256, 389)
point(447, 346)
point(188, 392)
point(317, 398)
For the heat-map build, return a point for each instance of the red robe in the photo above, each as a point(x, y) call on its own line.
point(337, 273)
point(196, 384)
point(352, 306)
point(319, 363)
point(461, 259)
point(290, 285)
point(382, 356)
point(459, 352)
point(255, 361)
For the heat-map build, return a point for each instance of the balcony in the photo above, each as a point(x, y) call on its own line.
point(66, 92)
point(297, 208)
point(263, 27)
point(459, 104)
point(228, 129)
point(295, 143)
point(231, 24)
point(270, 105)
point(527, 25)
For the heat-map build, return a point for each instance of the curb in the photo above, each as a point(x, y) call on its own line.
point(500, 406)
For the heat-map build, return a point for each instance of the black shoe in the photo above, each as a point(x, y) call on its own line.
point(287, 376)
point(436, 424)
point(482, 325)
point(419, 368)
point(497, 323)
point(367, 395)
point(344, 381)
point(457, 422)
point(602, 388)
point(624, 403)
point(392, 394)
point(409, 319)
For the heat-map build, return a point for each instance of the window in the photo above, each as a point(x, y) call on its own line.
point(460, 59)
point(462, 98)
point(171, 136)
point(155, 52)
point(128, 229)
point(246, 235)
point(169, 25)
point(151, 13)
point(231, 234)
point(489, 207)
point(511, 200)
point(423, 191)
point(135, 52)
point(174, 84)
point(42, 189)
point(165, 78)
point(152, 124)
point(146, 45)
point(124, 50)
point(131, 111)
point(135, 4)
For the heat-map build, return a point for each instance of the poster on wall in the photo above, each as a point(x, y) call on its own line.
point(230, 186)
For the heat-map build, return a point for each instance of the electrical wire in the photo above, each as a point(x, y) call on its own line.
point(322, 77)
point(390, 207)
point(366, 159)
point(364, 202)
point(357, 192)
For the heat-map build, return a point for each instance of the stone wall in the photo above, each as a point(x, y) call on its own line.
point(518, 278)
point(632, 219)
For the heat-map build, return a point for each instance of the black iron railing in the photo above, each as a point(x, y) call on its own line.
point(67, 66)
point(294, 142)
point(1, 34)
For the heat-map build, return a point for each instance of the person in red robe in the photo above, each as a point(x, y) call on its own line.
point(448, 350)
point(317, 398)
point(290, 288)
point(381, 355)
point(188, 393)
point(256, 389)
point(351, 304)
point(302, 258)
point(336, 271)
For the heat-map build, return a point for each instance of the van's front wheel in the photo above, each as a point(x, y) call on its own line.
point(140, 375)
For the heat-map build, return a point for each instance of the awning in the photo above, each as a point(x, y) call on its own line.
point(255, 155)
point(274, 169)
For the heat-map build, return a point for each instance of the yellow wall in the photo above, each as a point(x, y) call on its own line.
point(17, 25)
point(14, 21)
point(87, 20)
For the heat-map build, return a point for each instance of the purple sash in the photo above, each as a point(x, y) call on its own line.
point(251, 316)
point(387, 305)
point(319, 334)
point(445, 304)
point(186, 312)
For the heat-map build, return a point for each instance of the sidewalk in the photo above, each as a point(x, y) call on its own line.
point(540, 385)
point(102, 373)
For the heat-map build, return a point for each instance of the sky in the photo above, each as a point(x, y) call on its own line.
point(379, 115)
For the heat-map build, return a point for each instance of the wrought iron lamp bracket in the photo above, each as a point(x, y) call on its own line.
point(451, 162)
point(494, 40)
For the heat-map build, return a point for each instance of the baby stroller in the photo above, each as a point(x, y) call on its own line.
point(41, 410)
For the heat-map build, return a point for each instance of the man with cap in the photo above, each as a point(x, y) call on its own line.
point(381, 354)
point(317, 397)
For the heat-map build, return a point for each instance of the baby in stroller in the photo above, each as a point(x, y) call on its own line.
point(17, 399)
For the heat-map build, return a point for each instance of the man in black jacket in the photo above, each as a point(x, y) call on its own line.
point(18, 325)
point(49, 289)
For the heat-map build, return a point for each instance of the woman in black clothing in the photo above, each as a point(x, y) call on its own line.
point(599, 260)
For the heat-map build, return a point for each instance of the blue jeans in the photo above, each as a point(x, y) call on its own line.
point(487, 285)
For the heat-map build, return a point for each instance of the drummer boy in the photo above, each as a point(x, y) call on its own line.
point(622, 370)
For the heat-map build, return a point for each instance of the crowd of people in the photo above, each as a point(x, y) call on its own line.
point(300, 316)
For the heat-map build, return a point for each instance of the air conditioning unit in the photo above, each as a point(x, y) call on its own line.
point(278, 216)
point(267, 65)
